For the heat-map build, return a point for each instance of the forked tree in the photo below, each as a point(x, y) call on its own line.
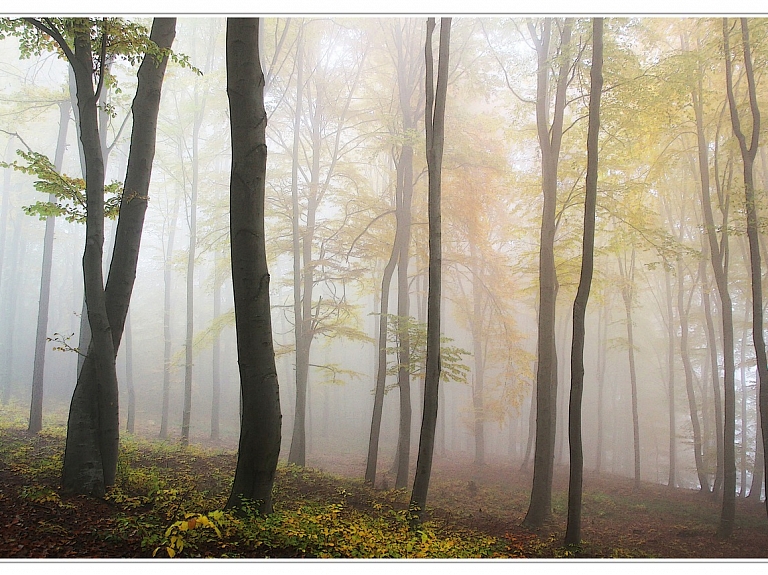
point(435, 131)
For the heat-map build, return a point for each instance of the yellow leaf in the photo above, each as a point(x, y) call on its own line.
point(171, 552)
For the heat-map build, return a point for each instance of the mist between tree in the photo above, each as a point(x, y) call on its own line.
point(665, 401)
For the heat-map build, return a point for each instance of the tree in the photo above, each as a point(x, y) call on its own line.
point(550, 138)
point(435, 130)
point(38, 370)
point(408, 70)
point(748, 153)
point(259, 445)
point(573, 529)
point(90, 459)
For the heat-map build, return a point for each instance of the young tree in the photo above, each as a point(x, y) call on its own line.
point(573, 529)
point(259, 445)
point(748, 153)
point(550, 138)
point(435, 130)
point(38, 370)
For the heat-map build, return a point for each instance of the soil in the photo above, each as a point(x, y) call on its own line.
point(619, 520)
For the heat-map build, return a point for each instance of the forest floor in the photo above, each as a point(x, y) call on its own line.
point(166, 496)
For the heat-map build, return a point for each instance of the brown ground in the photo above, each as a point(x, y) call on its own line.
point(618, 520)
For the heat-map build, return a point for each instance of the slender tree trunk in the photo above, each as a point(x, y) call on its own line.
point(748, 153)
point(573, 528)
point(259, 445)
point(435, 132)
point(5, 372)
point(299, 323)
point(8, 314)
point(627, 289)
point(405, 167)
point(550, 137)
point(672, 479)
point(717, 486)
point(381, 369)
point(191, 249)
point(693, 409)
point(167, 279)
point(743, 381)
point(216, 356)
point(479, 359)
point(756, 487)
point(38, 370)
point(602, 352)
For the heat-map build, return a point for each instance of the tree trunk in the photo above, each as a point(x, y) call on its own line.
point(381, 369)
point(717, 486)
point(550, 137)
point(693, 409)
point(259, 445)
point(90, 460)
point(405, 177)
point(672, 479)
point(573, 528)
point(131, 415)
point(479, 359)
point(5, 372)
point(743, 381)
point(38, 370)
point(748, 153)
point(167, 279)
point(90, 456)
point(216, 355)
point(298, 316)
point(602, 352)
point(192, 247)
point(627, 289)
point(435, 133)
point(8, 316)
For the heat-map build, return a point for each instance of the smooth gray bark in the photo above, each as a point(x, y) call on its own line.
point(259, 445)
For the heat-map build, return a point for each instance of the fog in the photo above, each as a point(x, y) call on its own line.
point(650, 240)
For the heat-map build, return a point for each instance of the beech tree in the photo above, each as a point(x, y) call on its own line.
point(435, 130)
point(748, 154)
point(90, 459)
point(573, 529)
point(259, 445)
point(550, 138)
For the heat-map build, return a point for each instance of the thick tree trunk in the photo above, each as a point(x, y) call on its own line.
point(259, 445)
point(573, 528)
point(435, 132)
point(90, 456)
point(90, 460)
point(550, 137)
point(38, 370)
point(131, 412)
